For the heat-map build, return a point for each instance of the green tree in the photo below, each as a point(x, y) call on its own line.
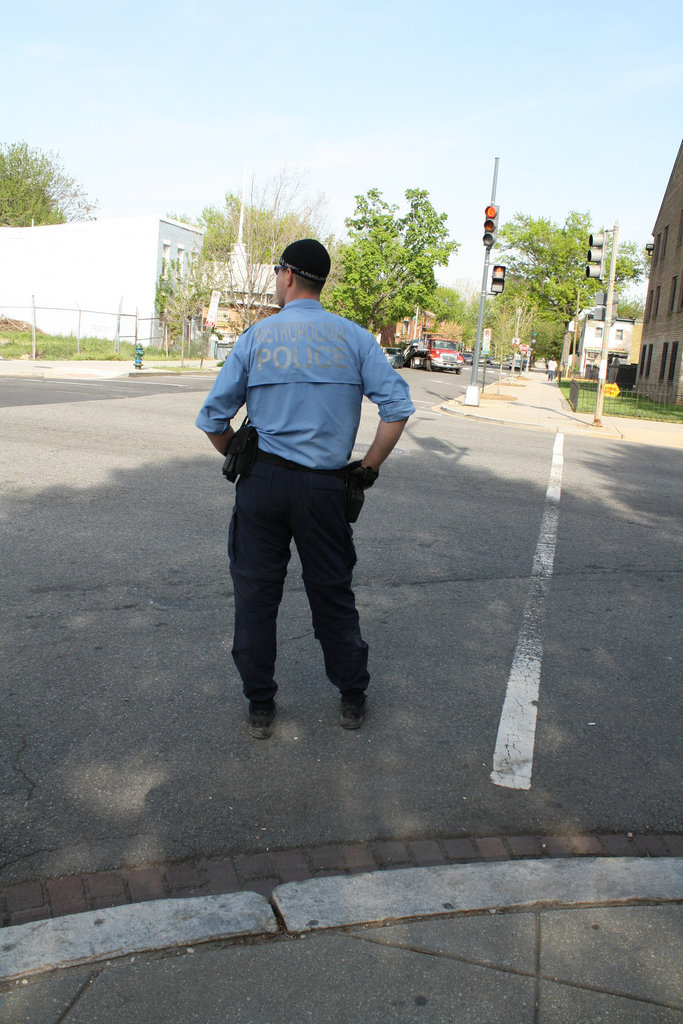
point(181, 293)
point(35, 189)
point(550, 260)
point(634, 307)
point(455, 314)
point(242, 241)
point(388, 263)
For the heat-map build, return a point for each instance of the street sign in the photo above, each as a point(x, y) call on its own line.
point(213, 309)
point(486, 341)
point(524, 349)
point(611, 390)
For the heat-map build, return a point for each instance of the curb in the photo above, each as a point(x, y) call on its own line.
point(325, 903)
point(262, 871)
point(575, 428)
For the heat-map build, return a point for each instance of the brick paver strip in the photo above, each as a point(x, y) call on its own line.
point(674, 845)
point(586, 846)
point(557, 846)
point(491, 848)
point(390, 853)
point(261, 872)
point(290, 865)
point(326, 858)
point(460, 849)
point(358, 857)
point(104, 885)
point(220, 875)
point(619, 846)
point(524, 846)
point(426, 852)
point(183, 876)
point(145, 884)
point(253, 865)
point(650, 846)
point(30, 915)
point(24, 896)
point(67, 896)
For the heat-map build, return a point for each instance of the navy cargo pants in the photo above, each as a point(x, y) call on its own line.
point(273, 505)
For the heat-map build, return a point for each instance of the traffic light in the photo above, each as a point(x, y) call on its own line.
point(596, 256)
point(498, 280)
point(600, 306)
point(490, 225)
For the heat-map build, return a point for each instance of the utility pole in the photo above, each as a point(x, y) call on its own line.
point(602, 373)
point(490, 232)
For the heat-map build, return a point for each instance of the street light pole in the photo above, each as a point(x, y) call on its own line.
point(602, 373)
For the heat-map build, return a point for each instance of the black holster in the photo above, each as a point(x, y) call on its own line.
point(241, 453)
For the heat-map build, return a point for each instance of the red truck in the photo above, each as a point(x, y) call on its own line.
point(434, 354)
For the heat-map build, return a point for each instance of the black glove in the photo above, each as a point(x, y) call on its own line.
point(360, 475)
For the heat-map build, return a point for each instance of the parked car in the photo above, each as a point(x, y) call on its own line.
point(468, 358)
point(394, 357)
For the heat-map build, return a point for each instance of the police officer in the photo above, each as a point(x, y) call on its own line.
point(302, 374)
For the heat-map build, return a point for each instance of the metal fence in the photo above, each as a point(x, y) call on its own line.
point(657, 405)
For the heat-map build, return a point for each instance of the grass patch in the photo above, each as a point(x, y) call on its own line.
point(60, 346)
point(627, 404)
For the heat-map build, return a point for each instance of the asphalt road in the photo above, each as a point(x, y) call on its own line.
point(123, 736)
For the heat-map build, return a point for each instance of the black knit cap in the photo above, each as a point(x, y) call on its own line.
point(308, 258)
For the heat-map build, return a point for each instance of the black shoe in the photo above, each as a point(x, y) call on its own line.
point(261, 723)
point(351, 715)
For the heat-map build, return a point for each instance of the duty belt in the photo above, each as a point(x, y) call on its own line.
point(277, 460)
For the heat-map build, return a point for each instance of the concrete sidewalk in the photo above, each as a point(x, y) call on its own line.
point(530, 400)
point(100, 369)
point(538, 942)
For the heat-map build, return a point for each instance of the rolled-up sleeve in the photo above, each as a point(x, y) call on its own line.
point(384, 386)
point(227, 395)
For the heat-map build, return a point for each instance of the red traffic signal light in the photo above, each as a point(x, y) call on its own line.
point(596, 256)
point(498, 280)
point(490, 225)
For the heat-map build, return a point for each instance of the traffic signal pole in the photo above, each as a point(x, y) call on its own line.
point(472, 393)
point(602, 373)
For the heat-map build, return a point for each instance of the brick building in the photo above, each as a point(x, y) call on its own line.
point(660, 369)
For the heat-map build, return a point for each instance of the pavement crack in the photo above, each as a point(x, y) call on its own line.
point(470, 961)
point(31, 783)
point(76, 999)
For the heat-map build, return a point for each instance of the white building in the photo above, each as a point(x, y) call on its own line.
point(624, 341)
point(91, 278)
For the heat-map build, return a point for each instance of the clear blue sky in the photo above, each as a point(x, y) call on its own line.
point(154, 107)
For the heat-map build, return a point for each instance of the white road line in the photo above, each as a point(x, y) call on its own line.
point(513, 757)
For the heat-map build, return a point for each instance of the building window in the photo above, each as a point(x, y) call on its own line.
point(680, 231)
point(165, 257)
point(598, 332)
point(648, 307)
point(642, 361)
point(181, 260)
point(674, 286)
point(672, 361)
point(658, 242)
point(662, 365)
point(657, 295)
point(664, 241)
point(619, 335)
point(649, 361)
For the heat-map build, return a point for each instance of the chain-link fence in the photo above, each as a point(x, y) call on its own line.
point(118, 326)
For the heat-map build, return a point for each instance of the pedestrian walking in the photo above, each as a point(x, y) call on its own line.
point(552, 366)
point(302, 374)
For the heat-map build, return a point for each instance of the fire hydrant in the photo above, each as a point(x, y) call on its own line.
point(138, 356)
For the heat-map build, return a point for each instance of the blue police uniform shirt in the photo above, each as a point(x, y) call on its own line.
point(327, 364)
